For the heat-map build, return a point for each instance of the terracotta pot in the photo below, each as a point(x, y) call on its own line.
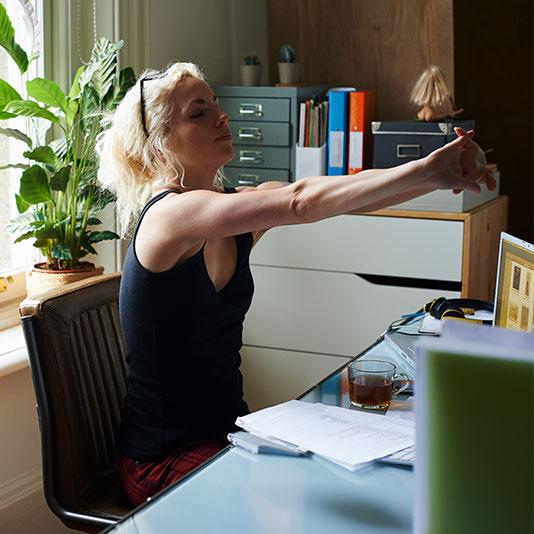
point(39, 279)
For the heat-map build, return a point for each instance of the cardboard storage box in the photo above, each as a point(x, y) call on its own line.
point(397, 142)
point(443, 200)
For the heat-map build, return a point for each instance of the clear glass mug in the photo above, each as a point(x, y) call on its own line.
point(372, 383)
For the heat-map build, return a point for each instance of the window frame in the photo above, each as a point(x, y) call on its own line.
point(13, 281)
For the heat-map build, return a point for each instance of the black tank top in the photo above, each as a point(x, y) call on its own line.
point(182, 349)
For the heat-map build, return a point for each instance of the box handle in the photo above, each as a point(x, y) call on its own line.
point(250, 133)
point(250, 156)
point(251, 109)
point(409, 151)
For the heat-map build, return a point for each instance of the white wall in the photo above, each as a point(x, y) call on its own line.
point(215, 34)
point(23, 509)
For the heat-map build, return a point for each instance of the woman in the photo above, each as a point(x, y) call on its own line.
point(186, 284)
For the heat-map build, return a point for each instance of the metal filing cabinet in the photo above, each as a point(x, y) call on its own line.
point(264, 124)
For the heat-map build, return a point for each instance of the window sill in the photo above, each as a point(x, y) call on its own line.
point(13, 352)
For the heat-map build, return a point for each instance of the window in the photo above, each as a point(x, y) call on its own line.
point(15, 258)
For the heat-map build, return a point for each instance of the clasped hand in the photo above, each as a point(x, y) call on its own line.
point(460, 164)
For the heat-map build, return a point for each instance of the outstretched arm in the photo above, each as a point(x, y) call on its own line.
point(188, 218)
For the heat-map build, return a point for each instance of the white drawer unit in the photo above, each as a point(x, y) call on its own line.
point(326, 312)
point(389, 246)
point(327, 290)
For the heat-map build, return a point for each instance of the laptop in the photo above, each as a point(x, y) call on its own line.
point(514, 291)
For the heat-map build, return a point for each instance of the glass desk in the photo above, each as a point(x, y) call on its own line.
point(239, 492)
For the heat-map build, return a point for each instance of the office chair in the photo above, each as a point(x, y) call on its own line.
point(76, 350)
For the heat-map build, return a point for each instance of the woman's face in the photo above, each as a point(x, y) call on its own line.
point(200, 136)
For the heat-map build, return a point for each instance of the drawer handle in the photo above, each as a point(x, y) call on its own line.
point(251, 156)
point(251, 109)
point(248, 179)
point(250, 133)
point(408, 151)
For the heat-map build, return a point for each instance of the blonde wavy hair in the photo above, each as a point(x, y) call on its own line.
point(132, 164)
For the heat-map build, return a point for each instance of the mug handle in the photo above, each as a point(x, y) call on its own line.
point(402, 388)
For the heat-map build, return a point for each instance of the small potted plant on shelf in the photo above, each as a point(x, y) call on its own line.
point(59, 199)
point(288, 69)
point(251, 70)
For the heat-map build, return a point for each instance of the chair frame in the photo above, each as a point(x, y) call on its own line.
point(72, 519)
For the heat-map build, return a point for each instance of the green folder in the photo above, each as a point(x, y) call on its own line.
point(474, 432)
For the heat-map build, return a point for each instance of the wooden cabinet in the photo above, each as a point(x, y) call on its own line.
point(327, 290)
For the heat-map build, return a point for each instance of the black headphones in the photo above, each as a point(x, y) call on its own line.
point(442, 307)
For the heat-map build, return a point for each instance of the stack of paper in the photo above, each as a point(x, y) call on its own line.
point(347, 437)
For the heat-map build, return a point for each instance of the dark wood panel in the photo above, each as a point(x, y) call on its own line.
point(493, 66)
point(375, 44)
point(484, 48)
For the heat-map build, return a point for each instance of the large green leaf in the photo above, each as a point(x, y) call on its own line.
point(24, 236)
point(47, 92)
point(59, 146)
point(21, 223)
point(104, 60)
point(72, 109)
point(88, 249)
point(34, 185)
point(43, 243)
point(126, 82)
point(7, 94)
point(75, 87)
point(16, 134)
point(94, 237)
point(60, 179)
point(22, 205)
point(7, 41)
point(28, 108)
point(42, 154)
point(48, 232)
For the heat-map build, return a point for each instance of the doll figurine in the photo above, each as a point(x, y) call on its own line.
point(433, 94)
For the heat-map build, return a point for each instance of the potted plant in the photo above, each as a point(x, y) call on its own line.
point(251, 70)
point(59, 198)
point(288, 69)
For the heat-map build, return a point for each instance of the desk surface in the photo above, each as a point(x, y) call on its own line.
point(241, 492)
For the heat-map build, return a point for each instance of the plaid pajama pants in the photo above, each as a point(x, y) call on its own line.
point(141, 480)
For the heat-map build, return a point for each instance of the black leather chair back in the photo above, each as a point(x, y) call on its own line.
point(76, 351)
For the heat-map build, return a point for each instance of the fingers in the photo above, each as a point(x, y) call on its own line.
point(460, 132)
point(488, 178)
point(471, 186)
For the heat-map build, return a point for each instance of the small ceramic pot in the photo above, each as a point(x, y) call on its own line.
point(250, 75)
point(289, 72)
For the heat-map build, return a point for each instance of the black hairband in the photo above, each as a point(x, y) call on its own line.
point(155, 76)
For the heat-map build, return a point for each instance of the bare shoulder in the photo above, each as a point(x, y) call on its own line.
point(156, 246)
